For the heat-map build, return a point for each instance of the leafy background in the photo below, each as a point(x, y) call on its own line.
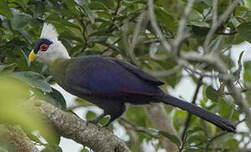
point(107, 27)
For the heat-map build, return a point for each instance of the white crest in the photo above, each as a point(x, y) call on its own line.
point(56, 50)
point(49, 32)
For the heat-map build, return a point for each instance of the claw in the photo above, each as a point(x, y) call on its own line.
point(96, 120)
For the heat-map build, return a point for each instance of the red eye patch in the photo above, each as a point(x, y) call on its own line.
point(44, 47)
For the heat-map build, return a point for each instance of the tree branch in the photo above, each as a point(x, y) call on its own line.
point(70, 126)
point(222, 68)
point(217, 23)
point(17, 138)
point(156, 27)
point(137, 128)
point(161, 121)
point(181, 34)
point(214, 138)
point(212, 59)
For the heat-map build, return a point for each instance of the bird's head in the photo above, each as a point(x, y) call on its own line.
point(48, 48)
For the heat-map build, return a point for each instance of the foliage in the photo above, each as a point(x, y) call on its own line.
point(107, 27)
point(13, 110)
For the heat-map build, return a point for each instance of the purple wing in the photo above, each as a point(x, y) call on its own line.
point(104, 75)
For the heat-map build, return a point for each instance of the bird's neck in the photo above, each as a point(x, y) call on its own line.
point(54, 61)
point(58, 69)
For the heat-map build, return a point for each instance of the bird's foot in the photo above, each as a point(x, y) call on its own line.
point(106, 125)
point(95, 121)
point(88, 122)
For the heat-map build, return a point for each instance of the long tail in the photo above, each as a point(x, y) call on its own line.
point(202, 113)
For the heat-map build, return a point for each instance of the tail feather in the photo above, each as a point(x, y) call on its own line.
point(202, 113)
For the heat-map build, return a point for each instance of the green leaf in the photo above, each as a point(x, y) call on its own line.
point(196, 130)
point(179, 117)
point(33, 79)
point(201, 5)
point(168, 64)
point(227, 60)
point(217, 44)
point(247, 71)
point(195, 18)
point(244, 30)
point(138, 116)
point(240, 57)
point(197, 138)
point(56, 98)
point(232, 144)
point(225, 109)
point(199, 32)
point(81, 2)
point(241, 11)
point(171, 137)
point(90, 115)
point(4, 9)
point(16, 92)
point(91, 52)
point(212, 93)
point(89, 14)
point(237, 73)
point(60, 23)
point(50, 148)
point(84, 150)
point(96, 5)
point(167, 20)
point(26, 35)
point(8, 67)
point(20, 20)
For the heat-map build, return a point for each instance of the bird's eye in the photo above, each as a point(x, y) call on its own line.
point(44, 47)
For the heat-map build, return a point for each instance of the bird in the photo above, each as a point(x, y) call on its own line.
point(108, 82)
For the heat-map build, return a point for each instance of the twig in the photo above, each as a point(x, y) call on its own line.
point(137, 128)
point(151, 41)
point(181, 34)
point(242, 91)
point(107, 48)
point(156, 28)
point(227, 33)
point(193, 102)
point(117, 8)
point(82, 23)
point(220, 66)
point(212, 139)
point(135, 37)
point(200, 73)
point(204, 74)
point(183, 136)
point(219, 22)
point(215, 11)
point(209, 59)
point(167, 72)
point(109, 29)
